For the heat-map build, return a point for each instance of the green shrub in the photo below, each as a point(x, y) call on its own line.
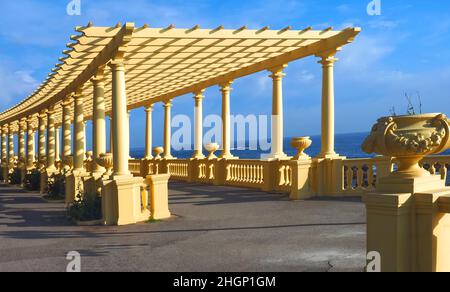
point(87, 208)
point(56, 187)
point(32, 181)
point(15, 177)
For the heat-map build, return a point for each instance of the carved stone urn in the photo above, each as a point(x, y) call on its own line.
point(408, 139)
point(301, 144)
point(158, 151)
point(212, 148)
point(106, 160)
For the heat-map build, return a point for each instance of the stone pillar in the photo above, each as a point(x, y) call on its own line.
point(10, 144)
point(4, 145)
point(121, 137)
point(198, 125)
point(111, 135)
point(4, 155)
point(328, 107)
point(21, 136)
point(57, 143)
point(30, 144)
point(148, 133)
point(66, 129)
point(78, 157)
point(226, 124)
point(51, 140)
point(41, 139)
point(277, 114)
point(167, 130)
point(99, 124)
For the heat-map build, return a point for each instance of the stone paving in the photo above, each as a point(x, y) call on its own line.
point(213, 229)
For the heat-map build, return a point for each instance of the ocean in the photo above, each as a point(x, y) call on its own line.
point(348, 145)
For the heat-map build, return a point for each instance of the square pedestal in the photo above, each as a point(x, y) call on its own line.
point(121, 201)
point(394, 184)
point(410, 229)
point(75, 185)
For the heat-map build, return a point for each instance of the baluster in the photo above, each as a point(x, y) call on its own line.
point(370, 176)
point(444, 171)
point(287, 175)
point(144, 197)
point(282, 181)
point(432, 169)
point(349, 177)
point(359, 177)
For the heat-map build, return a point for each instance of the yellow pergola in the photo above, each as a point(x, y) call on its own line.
point(112, 70)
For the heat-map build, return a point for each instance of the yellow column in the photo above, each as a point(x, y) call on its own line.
point(10, 144)
point(57, 143)
point(277, 113)
point(121, 135)
point(226, 124)
point(51, 142)
point(21, 136)
point(4, 155)
point(111, 135)
point(148, 133)
point(66, 128)
point(41, 139)
point(78, 156)
point(85, 138)
point(328, 107)
point(198, 120)
point(99, 124)
point(4, 145)
point(167, 130)
point(30, 143)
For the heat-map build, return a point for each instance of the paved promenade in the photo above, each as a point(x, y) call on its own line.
point(214, 229)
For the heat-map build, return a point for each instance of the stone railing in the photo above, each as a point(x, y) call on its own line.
point(178, 169)
point(359, 175)
point(354, 177)
point(245, 173)
point(134, 165)
point(437, 165)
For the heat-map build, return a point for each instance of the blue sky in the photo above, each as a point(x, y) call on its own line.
point(405, 49)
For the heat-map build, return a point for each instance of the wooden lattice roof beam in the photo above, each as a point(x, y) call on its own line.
point(163, 63)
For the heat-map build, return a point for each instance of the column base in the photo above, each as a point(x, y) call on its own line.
point(331, 155)
point(277, 156)
point(228, 157)
point(75, 184)
point(45, 175)
point(121, 201)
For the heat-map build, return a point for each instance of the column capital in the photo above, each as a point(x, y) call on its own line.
point(226, 86)
point(198, 95)
point(148, 108)
point(30, 119)
point(98, 80)
point(167, 103)
point(67, 101)
point(327, 58)
point(277, 72)
point(118, 65)
point(42, 114)
point(50, 111)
